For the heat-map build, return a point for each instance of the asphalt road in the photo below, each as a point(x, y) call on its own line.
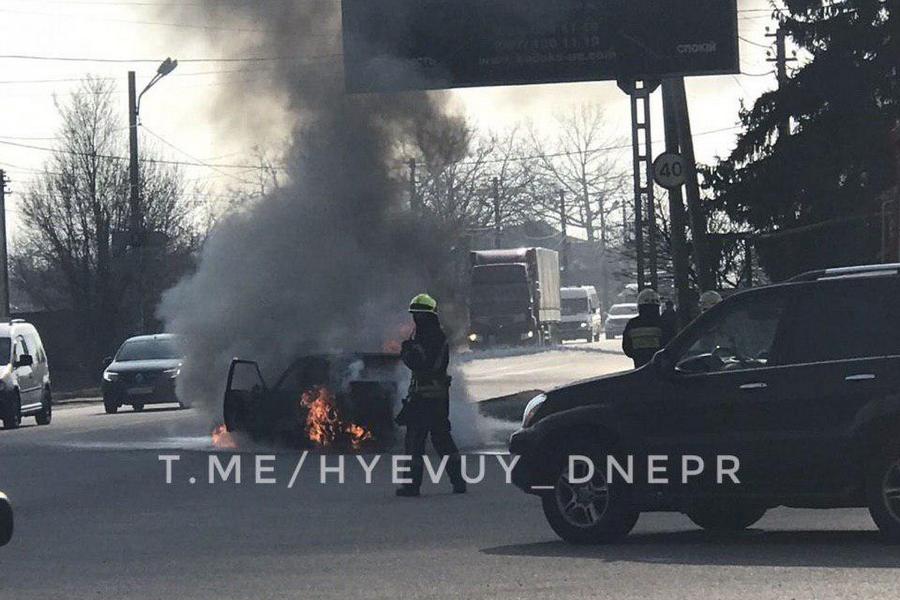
point(489, 374)
point(96, 519)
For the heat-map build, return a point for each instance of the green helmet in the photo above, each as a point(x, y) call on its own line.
point(423, 303)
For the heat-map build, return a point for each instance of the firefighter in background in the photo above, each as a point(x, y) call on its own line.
point(645, 334)
point(708, 300)
point(669, 320)
point(426, 410)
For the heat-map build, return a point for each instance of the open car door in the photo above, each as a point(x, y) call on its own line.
point(245, 394)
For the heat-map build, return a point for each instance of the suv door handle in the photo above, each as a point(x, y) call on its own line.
point(860, 377)
point(754, 386)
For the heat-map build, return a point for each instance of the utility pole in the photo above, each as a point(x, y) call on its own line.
point(748, 261)
point(705, 272)
point(496, 199)
point(781, 59)
point(137, 221)
point(413, 192)
point(4, 262)
point(676, 211)
point(136, 224)
point(564, 244)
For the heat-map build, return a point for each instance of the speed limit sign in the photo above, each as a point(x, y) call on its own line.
point(669, 170)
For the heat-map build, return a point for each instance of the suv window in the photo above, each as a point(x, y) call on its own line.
point(845, 319)
point(740, 335)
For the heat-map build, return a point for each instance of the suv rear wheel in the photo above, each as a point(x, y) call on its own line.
point(725, 515)
point(594, 512)
point(883, 494)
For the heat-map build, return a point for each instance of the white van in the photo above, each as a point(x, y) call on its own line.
point(24, 375)
point(581, 313)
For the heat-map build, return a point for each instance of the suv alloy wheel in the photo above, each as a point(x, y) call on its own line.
point(883, 494)
point(593, 512)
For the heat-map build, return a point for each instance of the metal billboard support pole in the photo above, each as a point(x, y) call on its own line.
point(697, 219)
point(642, 157)
point(677, 217)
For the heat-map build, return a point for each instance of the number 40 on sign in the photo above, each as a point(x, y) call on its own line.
point(669, 170)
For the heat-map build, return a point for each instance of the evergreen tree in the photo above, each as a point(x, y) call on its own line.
point(831, 168)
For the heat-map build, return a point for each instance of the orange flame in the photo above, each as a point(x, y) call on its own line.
point(324, 426)
point(222, 439)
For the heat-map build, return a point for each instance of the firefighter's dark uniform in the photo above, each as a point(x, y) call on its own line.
point(645, 335)
point(669, 320)
point(428, 405)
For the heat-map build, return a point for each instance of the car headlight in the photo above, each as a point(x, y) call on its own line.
point(473, 337)
point(531, 408)
point(110, 376)
point(527, 336)
point(172, 373)
point(584, 325)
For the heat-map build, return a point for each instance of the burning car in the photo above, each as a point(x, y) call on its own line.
point(330, 401)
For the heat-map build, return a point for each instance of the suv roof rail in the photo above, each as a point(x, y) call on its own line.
point(18, 321)
point(848, 272)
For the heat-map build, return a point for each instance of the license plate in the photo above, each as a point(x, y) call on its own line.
point(140, 391)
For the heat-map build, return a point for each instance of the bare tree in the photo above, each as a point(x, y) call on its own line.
point(516, 178)
point(452, 185)
point(76, 222)
point(578, 162)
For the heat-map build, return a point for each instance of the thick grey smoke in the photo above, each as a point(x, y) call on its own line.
point(329, 261)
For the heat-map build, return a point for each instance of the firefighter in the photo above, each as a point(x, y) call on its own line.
point(427, 408)
point(669, 320)
point(708, 300)
point(645, 334)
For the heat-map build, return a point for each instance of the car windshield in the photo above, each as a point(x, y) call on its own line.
point(150, 349)
point(495, 274)
point(574, 306)
point(623, 309)
point(4, 350)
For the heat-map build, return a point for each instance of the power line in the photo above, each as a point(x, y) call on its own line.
point(151, 23)
point(155, 61)
point(194, 158)
point(123, 3)
point(752, 43)
point(581, 152)
point(125, 158)
point(195, 162)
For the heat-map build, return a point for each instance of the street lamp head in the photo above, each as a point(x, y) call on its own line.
point(166, 67)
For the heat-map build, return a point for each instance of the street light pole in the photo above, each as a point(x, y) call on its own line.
point(136, 223)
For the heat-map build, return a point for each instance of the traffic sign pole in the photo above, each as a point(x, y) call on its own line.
point(680, 258)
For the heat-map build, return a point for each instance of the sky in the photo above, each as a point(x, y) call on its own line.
point(179, 118)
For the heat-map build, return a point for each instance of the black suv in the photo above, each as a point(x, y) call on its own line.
point(798, 383)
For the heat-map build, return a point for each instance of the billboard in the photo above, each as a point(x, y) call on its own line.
point(395, 45)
